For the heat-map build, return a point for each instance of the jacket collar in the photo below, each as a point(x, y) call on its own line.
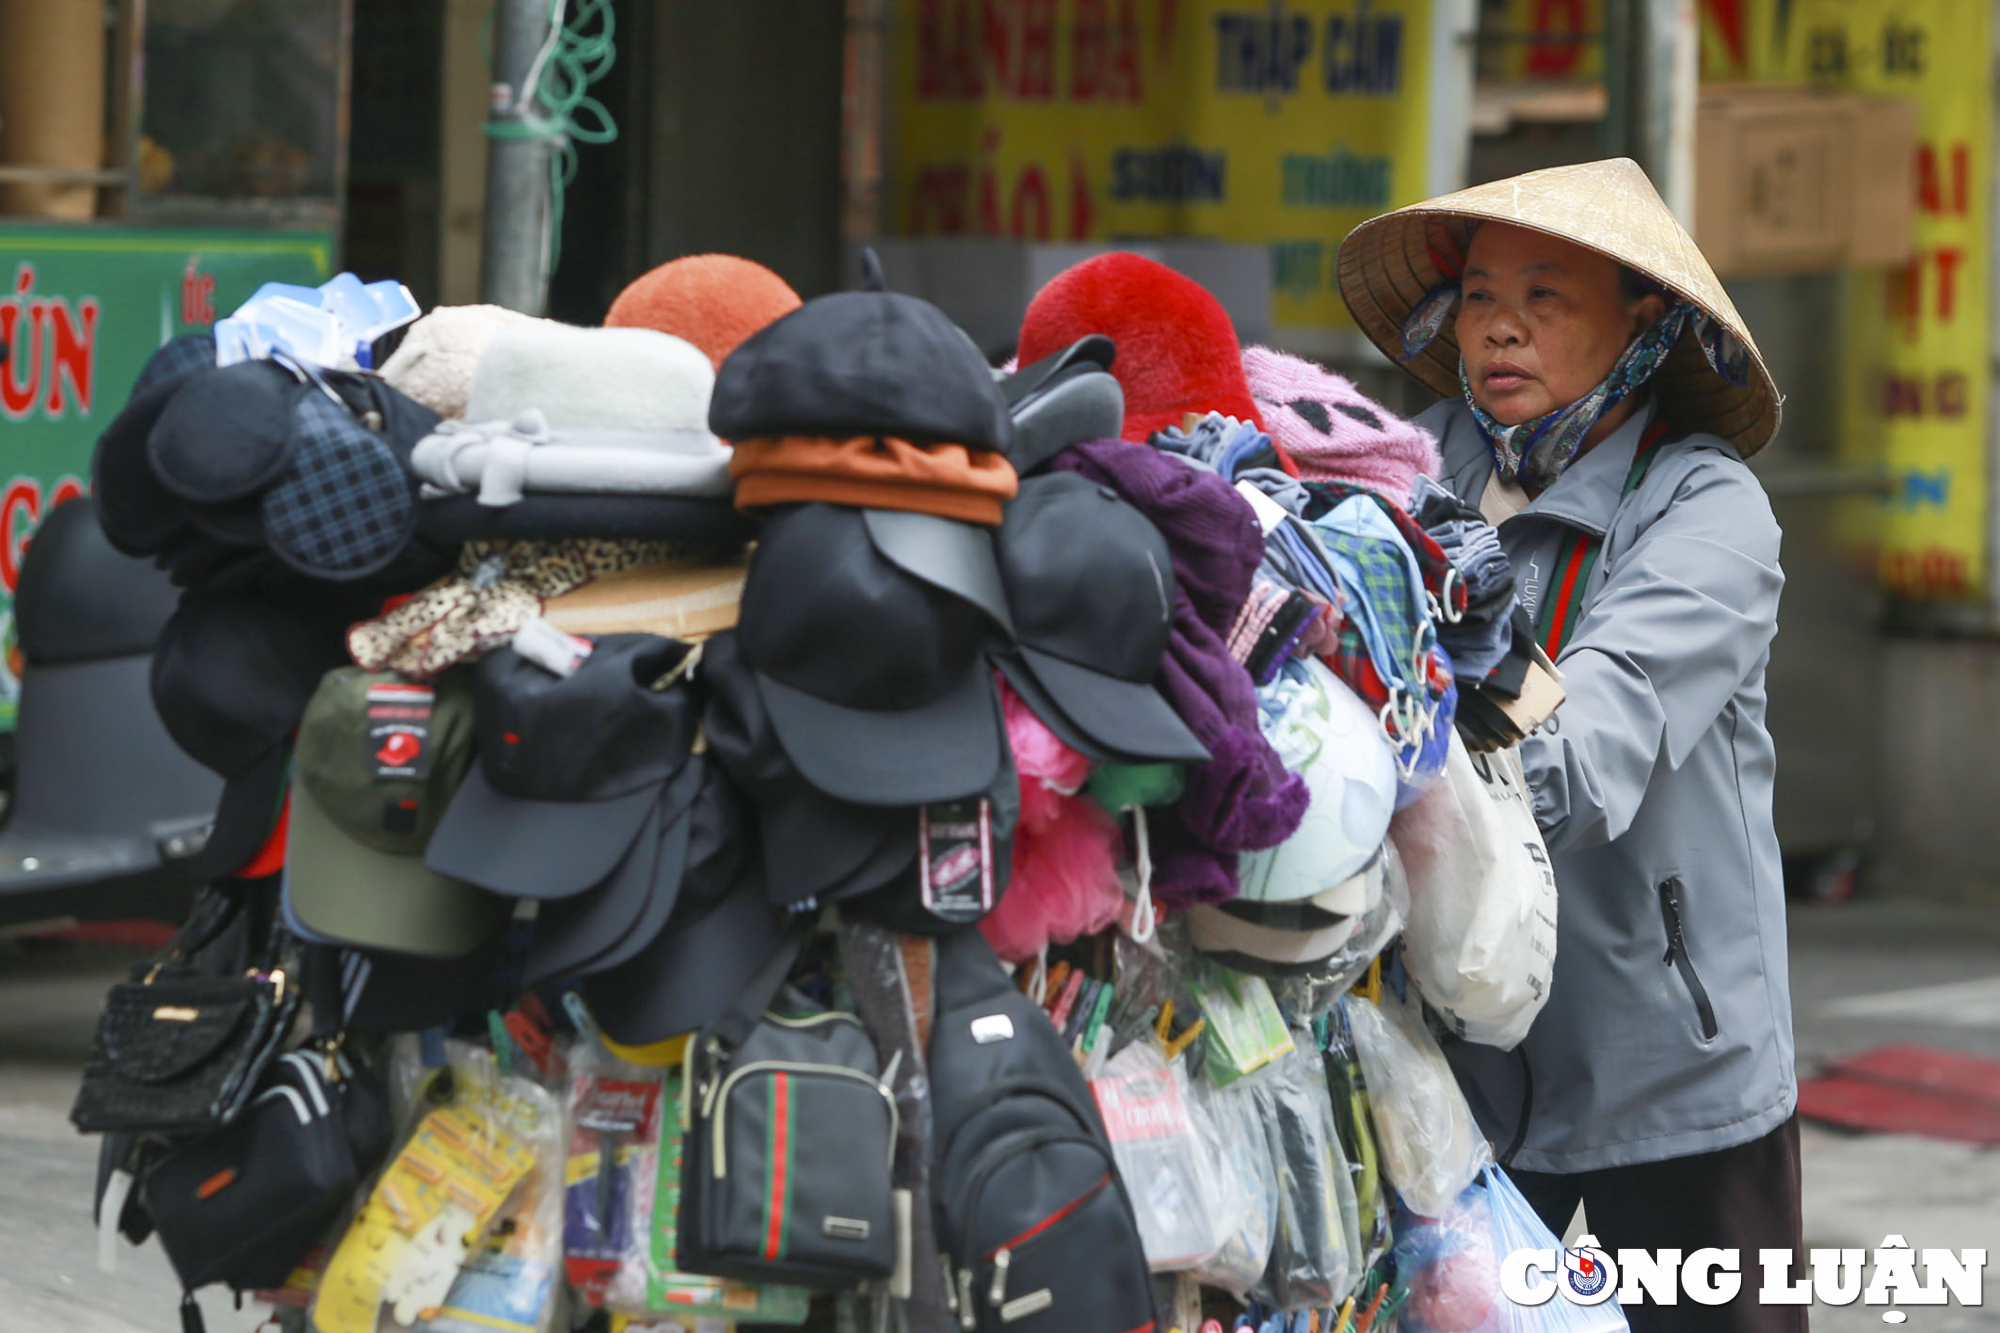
point(1587, 494)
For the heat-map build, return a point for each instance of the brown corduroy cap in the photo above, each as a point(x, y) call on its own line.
point(1389, 263)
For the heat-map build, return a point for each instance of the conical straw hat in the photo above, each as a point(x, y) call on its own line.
point(1389, 263)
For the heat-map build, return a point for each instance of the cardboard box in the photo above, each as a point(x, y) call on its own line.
point(1790, 180)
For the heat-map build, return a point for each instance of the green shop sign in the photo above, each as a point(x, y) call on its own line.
point(81, 308)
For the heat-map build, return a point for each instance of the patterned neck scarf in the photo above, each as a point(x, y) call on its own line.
point(1536, 451)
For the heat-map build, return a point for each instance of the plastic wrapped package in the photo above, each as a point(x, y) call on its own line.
point(1481, 937)
point(1315, 1248)
point(1348, 1090)
point(1430, 1148)
point(1227, 1120)
point(463, 1229)
point(1166, 1168)
point(614, 1145)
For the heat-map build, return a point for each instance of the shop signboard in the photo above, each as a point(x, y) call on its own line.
point(81, 308)
point(1917, 337)
point(1275, 124)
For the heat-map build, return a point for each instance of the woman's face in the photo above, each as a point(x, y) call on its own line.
point(1541, 321)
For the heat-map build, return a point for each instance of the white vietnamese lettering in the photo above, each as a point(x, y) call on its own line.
point(1960, 1272)
point(1837, 1276)
point(1779, 1289)
point(1650, 1275)
point(1712, 1276)
point(1894, 1281)
point(1515, 1283)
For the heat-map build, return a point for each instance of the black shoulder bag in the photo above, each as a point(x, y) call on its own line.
point(180, 1052)
point(785, 1174)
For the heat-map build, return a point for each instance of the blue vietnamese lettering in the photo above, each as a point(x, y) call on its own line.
point(1363, 53)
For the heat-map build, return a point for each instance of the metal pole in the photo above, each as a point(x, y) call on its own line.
point(1669, 79)
point(513, 262)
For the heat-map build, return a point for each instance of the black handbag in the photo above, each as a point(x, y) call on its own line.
point(785, 1173)
point(244, 1203)
point(178, 1051)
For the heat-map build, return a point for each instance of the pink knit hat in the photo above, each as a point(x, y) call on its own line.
point(1329, 431)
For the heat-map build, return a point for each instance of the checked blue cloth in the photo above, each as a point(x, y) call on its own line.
point(345, 507)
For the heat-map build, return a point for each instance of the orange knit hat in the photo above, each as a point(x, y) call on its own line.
point(713, 301)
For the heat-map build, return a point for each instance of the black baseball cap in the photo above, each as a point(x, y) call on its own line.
point(814, 845)
point(231, 678)
point(1091, 582)
point(1065, 399)
point(875, 680)
point(568, 767)
point(721, 933)
point(861, 363)
point(606, 926)
point(890, 893)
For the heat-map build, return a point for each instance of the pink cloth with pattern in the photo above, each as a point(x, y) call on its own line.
point(1331, 431)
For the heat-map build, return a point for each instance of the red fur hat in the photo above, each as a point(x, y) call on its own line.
point(713, 301)
point(1177, 350)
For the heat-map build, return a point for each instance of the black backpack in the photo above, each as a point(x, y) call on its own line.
point(785, 1171)
point(1032, 1217)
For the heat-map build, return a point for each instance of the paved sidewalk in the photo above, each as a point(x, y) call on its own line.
point(1859, 1188)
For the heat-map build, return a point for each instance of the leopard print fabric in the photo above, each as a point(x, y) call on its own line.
point(499, 587)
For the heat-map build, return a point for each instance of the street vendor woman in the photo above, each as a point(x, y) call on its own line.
point(1601, 394)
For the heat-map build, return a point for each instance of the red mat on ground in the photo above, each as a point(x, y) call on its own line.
point(1910, 1090)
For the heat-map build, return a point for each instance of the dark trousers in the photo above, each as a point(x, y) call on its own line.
point(1744, 1198)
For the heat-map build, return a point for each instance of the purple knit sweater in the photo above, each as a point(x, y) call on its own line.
point(1242, 799)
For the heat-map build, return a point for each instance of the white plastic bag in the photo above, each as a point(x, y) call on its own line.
point(1452, 1264)
point(1430, 1148)
point(1481, 937)
point(1166, 1168)
point(1226, 1120)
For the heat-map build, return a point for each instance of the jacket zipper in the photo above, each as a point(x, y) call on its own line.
point(720, 1137)
point(1677, 955)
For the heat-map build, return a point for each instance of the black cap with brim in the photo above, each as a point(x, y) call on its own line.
point(359, 895)
point(246, 815)
point(573, 933)
point(814, 845)
point(686, 976)
point(536, 849)
point(700, 525)
point(957, 557)
point(944, 750)
point(605, 927)
point(1064, 399)
point(1115, 720)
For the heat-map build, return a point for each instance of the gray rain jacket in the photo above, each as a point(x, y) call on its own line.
point(1668, 1029)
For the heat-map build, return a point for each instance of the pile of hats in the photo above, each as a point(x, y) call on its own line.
point(984, 642)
